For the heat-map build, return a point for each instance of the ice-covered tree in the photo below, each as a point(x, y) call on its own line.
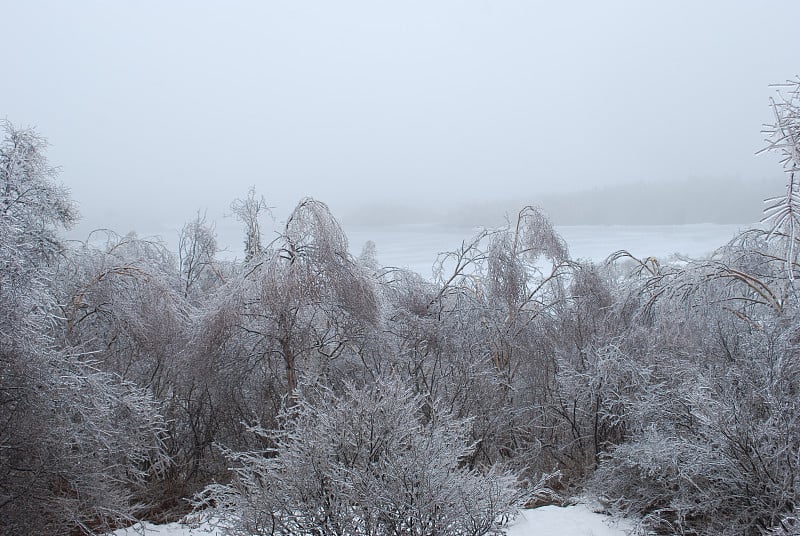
point(248, 211)
point(76, 444)
point(308, 302)
point(197, 247)
point(475, 338)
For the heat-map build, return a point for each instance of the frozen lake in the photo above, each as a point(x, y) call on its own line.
point(417, 246)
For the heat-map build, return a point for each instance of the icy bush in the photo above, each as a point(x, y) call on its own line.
point(366, 462)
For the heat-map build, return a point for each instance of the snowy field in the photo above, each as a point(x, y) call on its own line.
point(576, 520)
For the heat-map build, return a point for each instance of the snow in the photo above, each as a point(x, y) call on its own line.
point(171, 529)
point(577, 520)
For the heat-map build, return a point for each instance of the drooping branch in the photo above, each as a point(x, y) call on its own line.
point(783, 136)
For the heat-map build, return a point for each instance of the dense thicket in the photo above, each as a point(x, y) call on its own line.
point(304, 390)
point(364, 462)
point(712, 420)
point(77, 442)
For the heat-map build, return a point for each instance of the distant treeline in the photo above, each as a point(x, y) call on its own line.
point(723, 201)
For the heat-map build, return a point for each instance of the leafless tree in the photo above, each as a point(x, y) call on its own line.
point(197, 248)
point(308, 300)
point(248, 211)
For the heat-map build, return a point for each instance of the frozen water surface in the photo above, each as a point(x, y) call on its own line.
point(416, 246)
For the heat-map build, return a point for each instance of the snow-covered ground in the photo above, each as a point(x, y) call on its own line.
point(577, 520)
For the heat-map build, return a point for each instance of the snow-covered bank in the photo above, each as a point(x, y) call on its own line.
point(577, 520)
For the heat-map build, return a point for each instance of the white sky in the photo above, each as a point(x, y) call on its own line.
point(155, 109)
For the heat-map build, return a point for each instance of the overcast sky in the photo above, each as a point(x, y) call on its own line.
point(155, 109)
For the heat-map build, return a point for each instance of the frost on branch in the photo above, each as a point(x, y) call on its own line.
point(783, 136)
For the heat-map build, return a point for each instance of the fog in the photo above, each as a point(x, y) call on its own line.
point(157, 109)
